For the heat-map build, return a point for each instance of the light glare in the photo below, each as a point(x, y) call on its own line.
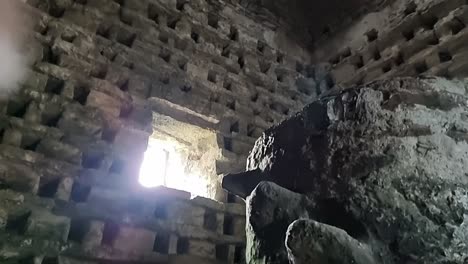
point(154, 167)
point(163, 165)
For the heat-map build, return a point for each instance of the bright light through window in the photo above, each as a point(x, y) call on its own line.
point(164, 165)
point(153, 171)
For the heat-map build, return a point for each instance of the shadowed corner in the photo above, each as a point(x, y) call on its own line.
point(242, 184)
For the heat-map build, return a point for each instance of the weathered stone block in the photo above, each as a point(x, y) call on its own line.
point(183, 28)
point(46, 225)
point(172, 247)
point(220, 223)
point(131, 141)
point(237, 208)
point(183, 212)
point(58, 150)
point(226, 253)
point(458, 68)
point(80, 127)
point(18, 176)
point(35, 81)
point(74, 64)
point(3, 218)
point(67, 260)
point(12, 137)
point(142, 115)
point(343, 72)
point(33, 113)
point(104, 102)
point(106, 6)
point(93, 236)
point(189, 259)
point(309, 241)
point(238, 226)
point(370, 160)
point(139, 87)
point(202, 249)
point(209, 203)
point(134, 240)
point(271, 206)
point(140, 6)
point(83, 16)
point(64, 189)
point(162, 194)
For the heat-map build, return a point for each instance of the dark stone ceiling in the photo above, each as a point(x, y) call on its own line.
point(312, 19)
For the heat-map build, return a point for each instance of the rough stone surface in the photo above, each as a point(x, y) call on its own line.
point(270, 209)
point(75, 132)
point(73, 137)
point(101, 68)
point(309, 241)
point(405, 38)
point(386, 162)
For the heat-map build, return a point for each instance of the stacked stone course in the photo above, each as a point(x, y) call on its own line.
point(153, 227)
point(74, 136)
point(413, 38)
point(124, 57)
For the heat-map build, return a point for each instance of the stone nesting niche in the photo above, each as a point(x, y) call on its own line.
point(406, 38)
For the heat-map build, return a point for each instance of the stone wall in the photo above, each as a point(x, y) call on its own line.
point(199, 62)
point(74, 136)
point(158, 226)
point(406, 38)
